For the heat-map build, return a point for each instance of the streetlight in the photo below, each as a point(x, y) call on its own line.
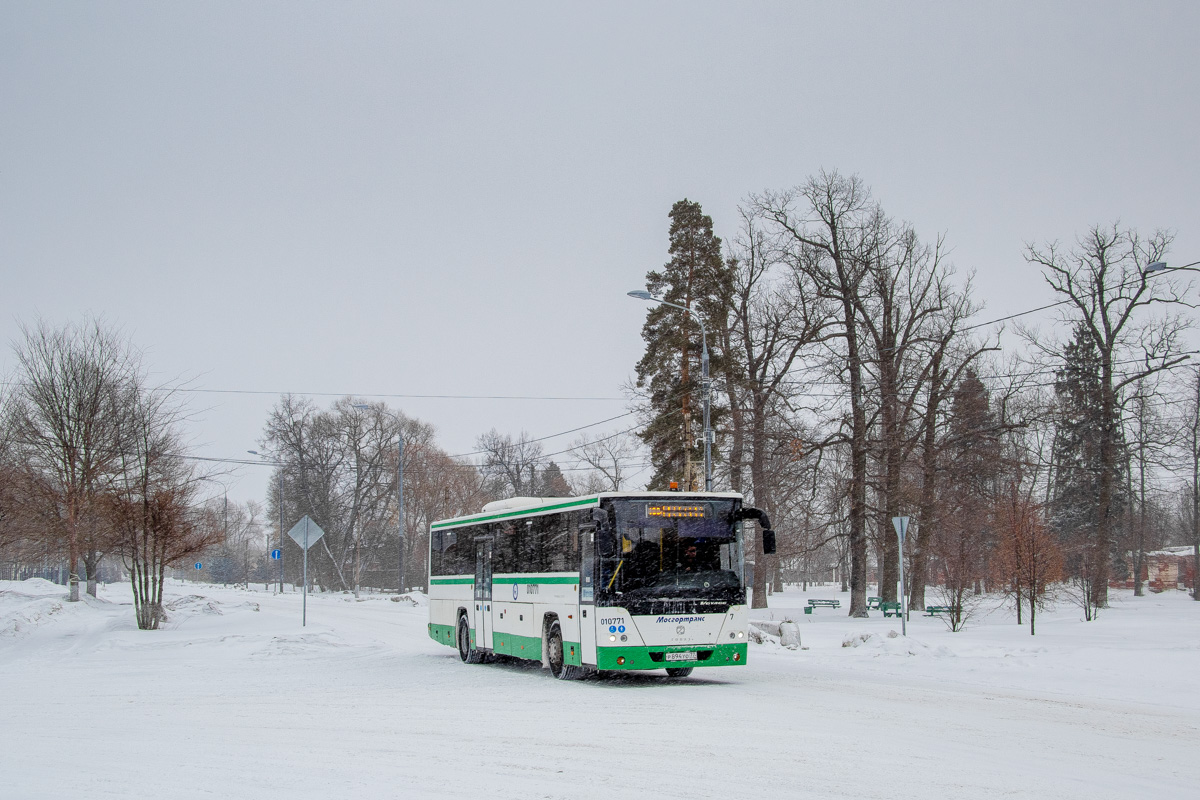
point(1162, 266)
point(704, 381)
point(399, 492)
point(260, 455)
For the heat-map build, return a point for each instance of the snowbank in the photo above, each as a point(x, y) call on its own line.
point(233, 698)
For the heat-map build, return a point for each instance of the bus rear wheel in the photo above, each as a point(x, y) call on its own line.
point(679, 672)
point(468, 654)
point(559, 667)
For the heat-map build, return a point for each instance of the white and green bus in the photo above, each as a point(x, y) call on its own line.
point(614, 581)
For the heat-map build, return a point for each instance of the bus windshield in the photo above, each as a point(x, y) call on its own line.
point(660, 550)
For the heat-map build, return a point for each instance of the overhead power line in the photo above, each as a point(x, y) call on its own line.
point(273, 393)
point(1068, 300)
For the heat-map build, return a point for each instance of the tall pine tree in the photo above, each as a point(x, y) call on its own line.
point(1075, 457)
point(696, 278)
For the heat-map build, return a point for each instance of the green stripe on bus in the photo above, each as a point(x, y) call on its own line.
point(443, 634)
point(535, 579)
point(510, 644)
point(508, 579)
point(593, 501)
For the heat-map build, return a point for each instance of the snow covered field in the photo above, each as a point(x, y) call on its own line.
point(235, 700)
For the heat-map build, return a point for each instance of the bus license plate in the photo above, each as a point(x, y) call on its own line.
point(690, 656)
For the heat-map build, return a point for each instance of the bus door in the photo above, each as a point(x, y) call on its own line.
point(483, 592)
point(587, 595)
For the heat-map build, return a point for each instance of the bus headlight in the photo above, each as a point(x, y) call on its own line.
point(612, 638)
point(741, 634)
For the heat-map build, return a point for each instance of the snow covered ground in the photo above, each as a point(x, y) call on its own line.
point(235, 700)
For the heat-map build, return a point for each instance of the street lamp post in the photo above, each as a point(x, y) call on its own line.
point(399, 495)
point(705, 383)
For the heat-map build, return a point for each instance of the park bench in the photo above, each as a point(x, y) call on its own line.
point(822, 604)
point(890, 609)
point(932, 611)
point(873, 602)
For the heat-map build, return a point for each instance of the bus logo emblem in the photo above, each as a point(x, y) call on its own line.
point(514, 591)
point(680, 630)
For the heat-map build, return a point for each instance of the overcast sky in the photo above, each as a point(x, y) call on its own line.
point(386, 199)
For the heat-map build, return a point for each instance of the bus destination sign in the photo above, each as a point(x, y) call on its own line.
point(676, 511)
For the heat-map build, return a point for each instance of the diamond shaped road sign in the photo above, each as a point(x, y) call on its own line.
point(306, 532)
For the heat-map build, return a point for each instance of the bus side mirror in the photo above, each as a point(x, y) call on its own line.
point(599, 516)
point(768, 541)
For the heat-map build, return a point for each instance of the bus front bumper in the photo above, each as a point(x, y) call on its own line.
point(707, 655)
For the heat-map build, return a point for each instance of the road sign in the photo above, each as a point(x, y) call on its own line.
point(199, 565)
point(276, 555)
point(306, 532)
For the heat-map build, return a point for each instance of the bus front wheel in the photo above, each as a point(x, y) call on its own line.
point(468, 654)
point(554, 650)
point(679, 672)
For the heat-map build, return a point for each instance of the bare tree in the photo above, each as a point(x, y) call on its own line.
point(153, 503)
point(1106, 293)
point(777, 314)
point(1028, 561)
point(339, 466)
point(607, 458)
point(1148, 438)
point(834, 227)
point(892, 314)
point(509, 466)
point(68, 420)
point(242, 555)
point(913, 318)
point(436, 486)
point(1191, 439)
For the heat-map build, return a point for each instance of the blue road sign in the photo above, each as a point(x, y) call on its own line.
point(276, 555)
point(199, 565)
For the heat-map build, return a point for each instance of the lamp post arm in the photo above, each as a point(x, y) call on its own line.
point(692, 314)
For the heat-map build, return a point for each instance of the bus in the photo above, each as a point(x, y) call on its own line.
point(610, 582)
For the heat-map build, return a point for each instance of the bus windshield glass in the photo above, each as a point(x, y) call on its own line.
point(661, 550)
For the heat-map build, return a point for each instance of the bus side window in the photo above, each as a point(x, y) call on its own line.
point(504, 553)
point(533, 544)
point(557, 543)
point(587, 585)
point(573, 544)
point(448, 557)
point(435, 553)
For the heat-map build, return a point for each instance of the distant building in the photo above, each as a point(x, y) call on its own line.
point(1170, 568)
